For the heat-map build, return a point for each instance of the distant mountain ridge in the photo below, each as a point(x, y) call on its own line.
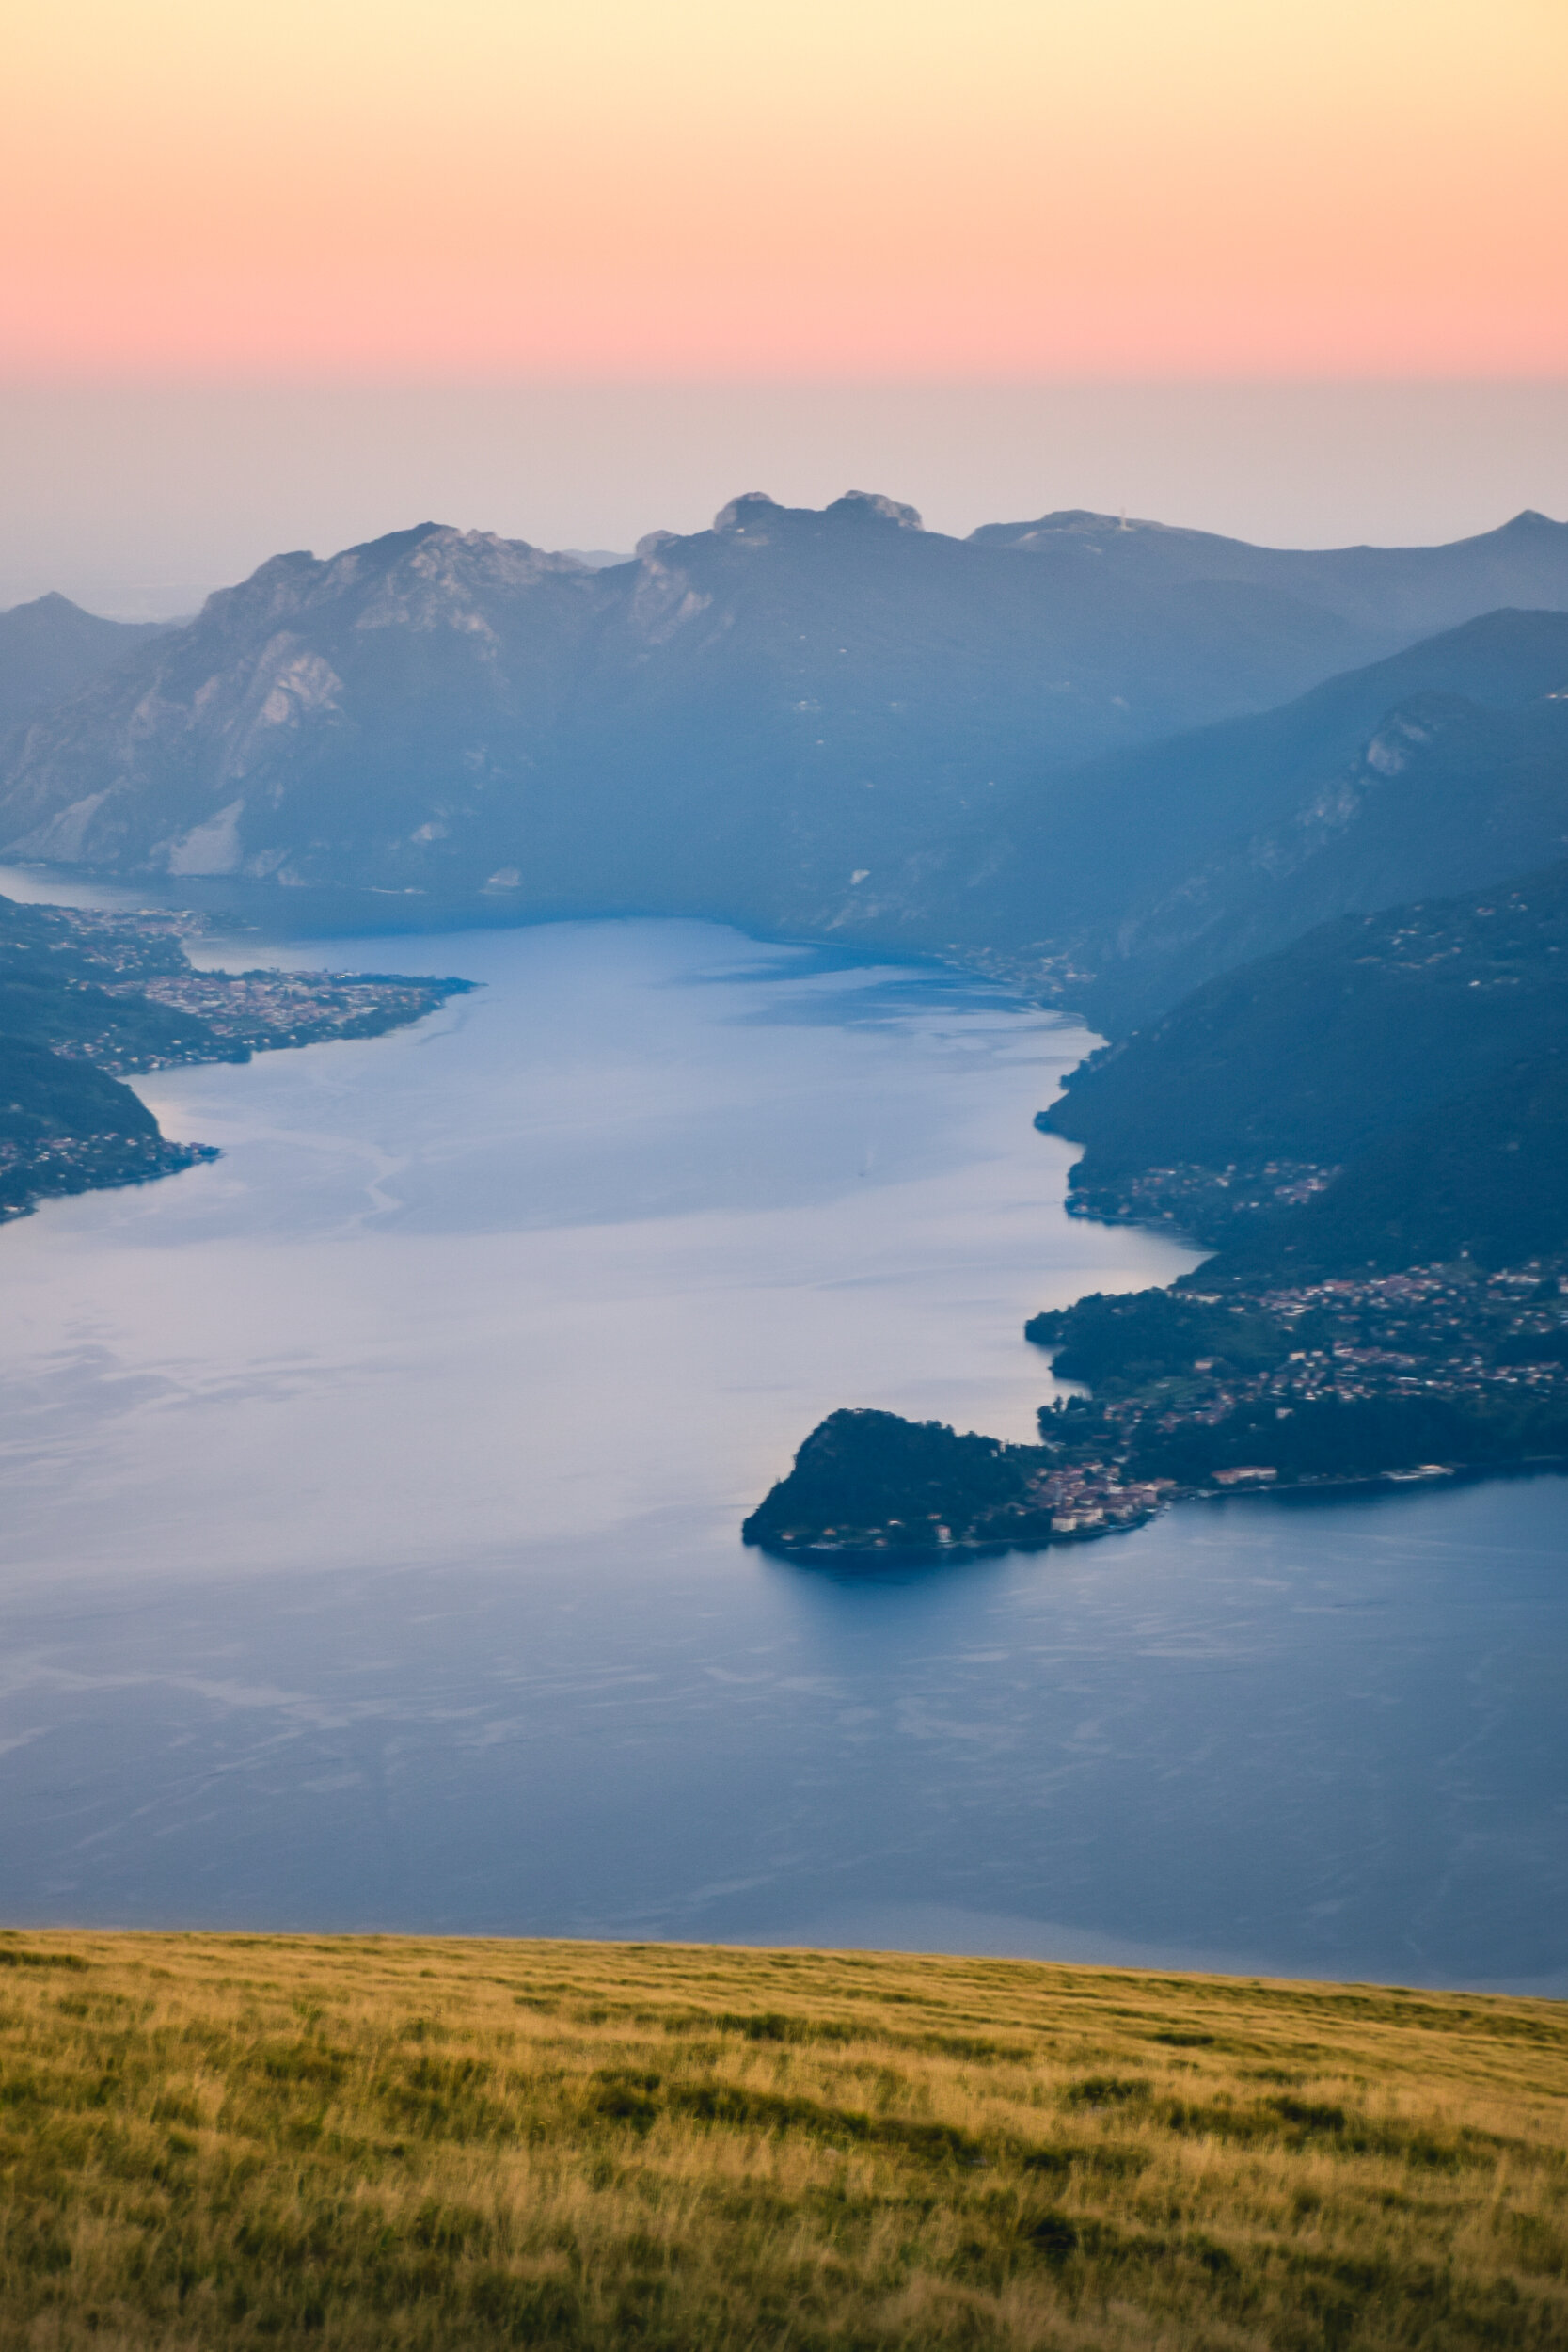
point(50, 648)
point(1396, 594)
point(740, 720)
point(787, 719)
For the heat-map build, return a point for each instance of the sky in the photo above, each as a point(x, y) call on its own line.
point(405, 210)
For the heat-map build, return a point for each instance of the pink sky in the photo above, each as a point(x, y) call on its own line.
point(1008, 191)
point(293, 274)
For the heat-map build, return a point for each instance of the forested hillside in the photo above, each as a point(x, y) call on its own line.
point(1308, 1057)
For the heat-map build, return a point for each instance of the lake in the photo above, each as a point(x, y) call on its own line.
point(373, 1493)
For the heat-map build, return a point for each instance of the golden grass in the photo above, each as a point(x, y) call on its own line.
point(214, 2140)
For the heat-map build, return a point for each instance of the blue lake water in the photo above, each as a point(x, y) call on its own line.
point(372, 1498)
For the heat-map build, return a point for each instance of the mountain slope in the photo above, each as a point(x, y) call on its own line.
point(1482, 1175)
point(50, 648)
point(679, 2146)
point(768, 719)
point(1422, 1052)
point(1441, 768)
point(1310, 1053)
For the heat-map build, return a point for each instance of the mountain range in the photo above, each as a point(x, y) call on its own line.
point(1035, 740)
point(1392, 596)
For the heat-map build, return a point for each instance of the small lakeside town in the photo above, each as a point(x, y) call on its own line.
point(1386, 1378)
point(142, 958)
point(1380, 1354)
point(90, 998)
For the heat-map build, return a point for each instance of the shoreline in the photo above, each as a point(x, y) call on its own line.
point(90, 998)
point(1449, 1475)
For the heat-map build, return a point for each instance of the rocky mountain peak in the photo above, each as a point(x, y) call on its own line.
point(430, 576)
point(754, 508)
point(1530, 523)
point(49, 605)
point(755, 718)
point(870, 506)
point(754, 513)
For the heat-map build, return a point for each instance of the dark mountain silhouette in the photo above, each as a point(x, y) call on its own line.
point(43, 1094)
point(774, 719)
point(51, 648)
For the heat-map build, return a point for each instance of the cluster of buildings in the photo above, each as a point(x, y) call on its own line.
point(271, 1008)
point(143, 956)
point(1432, 1331)
point(1203, 1202)
point(1091, 1497)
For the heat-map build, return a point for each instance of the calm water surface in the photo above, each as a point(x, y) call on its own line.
point(372, 1496)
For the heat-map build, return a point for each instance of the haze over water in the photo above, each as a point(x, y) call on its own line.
point(373, 1497)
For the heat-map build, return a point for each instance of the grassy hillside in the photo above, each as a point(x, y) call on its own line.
point(236, 2140)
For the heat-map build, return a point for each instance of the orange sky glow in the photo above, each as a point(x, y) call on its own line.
point(855, 190)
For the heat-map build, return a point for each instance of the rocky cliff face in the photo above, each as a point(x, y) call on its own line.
point(1444, 793)
point(234, 745)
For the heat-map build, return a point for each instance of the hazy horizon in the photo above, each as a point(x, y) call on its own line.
point(290, 277)
point(137, 500)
